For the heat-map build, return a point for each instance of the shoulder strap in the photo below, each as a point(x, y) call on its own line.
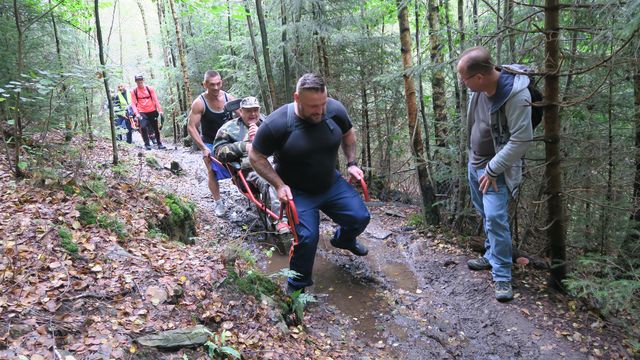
point(204, 101)
point(226, 98)
point(291, 118)
point(135, 92)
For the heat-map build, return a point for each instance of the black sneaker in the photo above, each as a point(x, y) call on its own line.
point(504, 292)
point(148, 147)
point(292, 289)
point(357, 248)
point(161, 147)
point(479, 264)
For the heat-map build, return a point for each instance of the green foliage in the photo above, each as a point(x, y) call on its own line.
point(97, 187)
point(253, 282)
point(416, 220)
point(218, 349)
point(66, 240)
point(121, 169)
point(152, 162)
point(156, 233)
point(180, 223)
point(612, 287)
point(113, 224)
point(299, 301)
point(88, 213)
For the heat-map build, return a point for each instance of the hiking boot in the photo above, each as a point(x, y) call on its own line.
point(504, 292)
point(479, 264)
point(218, 208)
point(292, 289)
point(161, 147)
point(282, 228)
point(357, 248)
point(148, 147)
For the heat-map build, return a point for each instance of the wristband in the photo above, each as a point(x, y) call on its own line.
point(352, 163)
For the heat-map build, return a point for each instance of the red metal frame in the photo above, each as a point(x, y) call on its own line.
point(289, 207)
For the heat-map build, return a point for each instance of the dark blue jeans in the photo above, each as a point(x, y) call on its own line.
point(343, 205)
point(124, 123)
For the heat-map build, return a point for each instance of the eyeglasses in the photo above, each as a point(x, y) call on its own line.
point(466, 78)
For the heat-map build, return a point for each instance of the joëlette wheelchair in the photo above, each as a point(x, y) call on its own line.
point(261, 199)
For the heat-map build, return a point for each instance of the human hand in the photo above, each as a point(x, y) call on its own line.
point(355, 172)
point(284, 193)
point(206, 153)
point(486, 181)
point(248, 147)
point(253, 128)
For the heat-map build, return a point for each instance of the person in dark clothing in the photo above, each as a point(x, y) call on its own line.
point(208, 110)
point(304, 137)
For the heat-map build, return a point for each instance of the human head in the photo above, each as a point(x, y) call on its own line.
point(475, 68)
point(311, 97)
point(212, 82)
point(139, 80)
point(121, 87)
point(250, 110)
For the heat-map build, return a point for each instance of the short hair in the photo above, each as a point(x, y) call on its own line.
point(310, 82)
point(477, 60)
point(210, 74)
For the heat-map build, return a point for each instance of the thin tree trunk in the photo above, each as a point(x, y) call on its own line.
point(429, 208)
point(231, 51)
point(120, 27)
point(285, 52)
point(636, 182)
point(147, 37)
point(511, 36)
point(265, 53)
point(476, 39)
point(500, 35)
point(604, 225)
point(556, 231)
point(423, 112)
point(106, 82)
point(439, 96)
point(18, 113)
point(461, 196)
point(182, 53)
point(68, 133)
point(167, 64)
point(256, 59)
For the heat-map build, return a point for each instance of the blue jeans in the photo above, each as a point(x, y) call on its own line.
point(343, 205)
point(494, 209)
point(124, 123)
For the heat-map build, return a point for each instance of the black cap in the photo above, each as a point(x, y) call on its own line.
point(138, 77)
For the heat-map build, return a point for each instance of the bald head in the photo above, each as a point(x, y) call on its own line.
point(476, 60)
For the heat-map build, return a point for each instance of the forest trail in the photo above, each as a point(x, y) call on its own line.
point(413, 296)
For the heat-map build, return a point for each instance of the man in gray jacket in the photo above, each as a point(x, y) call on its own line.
point(500, 131)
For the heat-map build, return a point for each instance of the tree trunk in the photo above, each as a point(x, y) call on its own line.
point(256, 59)
point(231, 51)
point(182, 54)
point(423, 112)
point(167, 64)
point(68, 127)
point(120, 27)
point(147, 37)
point(18, 114)
point(106, 82)
point(556, 231)
point(429, 208)
point(439, 96)
point(265, 53)
point(285, 52)
point(463, 189)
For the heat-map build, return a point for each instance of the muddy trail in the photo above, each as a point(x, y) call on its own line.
point(412, 297)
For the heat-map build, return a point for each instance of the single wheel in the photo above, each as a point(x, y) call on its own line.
point(282, 242)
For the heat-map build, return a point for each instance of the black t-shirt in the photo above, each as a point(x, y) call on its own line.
point(211, 121)
point(305, 154)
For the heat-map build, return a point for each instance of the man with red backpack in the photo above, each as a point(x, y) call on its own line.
point(146, 107)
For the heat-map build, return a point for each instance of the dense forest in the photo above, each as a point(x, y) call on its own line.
point(393, 65)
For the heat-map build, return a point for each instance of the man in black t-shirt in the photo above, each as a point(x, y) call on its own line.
point(304, 137)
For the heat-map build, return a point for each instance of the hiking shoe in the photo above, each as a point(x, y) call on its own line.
point(161, 147)
point(282, 228)
point(357, 248)
point(218, 208)
point(292, 289)
point(504, 292)
point(479, 264)
point(148, 147)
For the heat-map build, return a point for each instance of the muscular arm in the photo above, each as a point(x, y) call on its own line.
point(195, 115)
point(349, 149)
point(263, 167)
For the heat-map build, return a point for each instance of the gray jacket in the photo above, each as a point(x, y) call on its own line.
point(510, 129)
